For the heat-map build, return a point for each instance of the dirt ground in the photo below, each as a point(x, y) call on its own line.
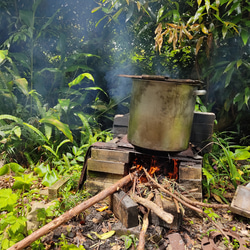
point(89, 228)
point(81, 231)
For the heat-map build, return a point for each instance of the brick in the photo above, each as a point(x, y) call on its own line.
point(94, 186)
point(190, 173)
point(187, 185)
point(99, 181)
point(101, 176)
point(107, 166)
point(54, 189)
point(110, 155)
point(125, 209)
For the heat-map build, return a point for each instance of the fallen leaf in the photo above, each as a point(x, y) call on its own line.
point(105, 235)
point(102, 208)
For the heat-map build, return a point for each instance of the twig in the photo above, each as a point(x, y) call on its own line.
point(71, 213)
point(143, 232)
point(145, 223)
point(151, 205)
point(184, 202)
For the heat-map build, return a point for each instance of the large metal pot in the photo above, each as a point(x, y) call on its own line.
point(161, 113)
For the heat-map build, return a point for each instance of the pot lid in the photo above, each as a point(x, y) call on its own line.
point(162, 78)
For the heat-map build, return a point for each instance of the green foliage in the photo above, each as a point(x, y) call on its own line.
point(223, 168)
point(65, 246)
point(210, 212)
point(24, 181)
point(7, 199)
point(129, 240)
point(12, 225)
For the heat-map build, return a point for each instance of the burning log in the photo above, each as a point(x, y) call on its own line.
point(71, 213)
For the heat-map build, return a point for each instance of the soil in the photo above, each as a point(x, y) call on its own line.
point(86, 227)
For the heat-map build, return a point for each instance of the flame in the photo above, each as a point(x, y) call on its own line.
point(174, 174)
point(154, 166)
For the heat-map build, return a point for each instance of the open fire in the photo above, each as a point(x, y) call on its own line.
point(156, 165)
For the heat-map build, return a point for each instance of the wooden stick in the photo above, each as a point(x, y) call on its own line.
point(145, 223)
point(158, 200)
point(71, 213)
point(184, 202)
point(151, 205)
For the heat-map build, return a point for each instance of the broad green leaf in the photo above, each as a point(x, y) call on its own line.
point(64, 103)
point(239, 62)
point(37, 131)
point(48, 22)
point(176, 16)
point(61, 126)
point(117, 14)
point(105, 235)
point(229, 67)
point(228, 77)
point(3, 55)
point(15, 167)
point(26, 17)
point(224, 31)
point(48, 131)
point(244, 36)
point(51, 150)
point(42, 169)
point(50, 178)
point(11, 117)
point(160, 12)
point(17, 131)
point(95, 9)
point(24, 181)
point(210, 178)
point(207, 4)
point(78, 79)
point(234, 7)
point(198, 13)
point(4, 169)
point(63, 142)
point(241, 154)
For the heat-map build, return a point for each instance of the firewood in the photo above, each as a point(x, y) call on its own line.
point(158, 200)
point(185, 203)
point(157, 210)
point(71, 213)
point(145, 223)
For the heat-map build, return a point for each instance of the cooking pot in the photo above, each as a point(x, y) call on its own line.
point(161, 112)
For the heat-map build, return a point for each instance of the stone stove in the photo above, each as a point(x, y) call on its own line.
point(109, 162)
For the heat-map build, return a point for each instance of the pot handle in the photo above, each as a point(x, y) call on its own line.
point(200, 92)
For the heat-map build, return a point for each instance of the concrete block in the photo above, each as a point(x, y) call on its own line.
point(168, 206)
point(110, 155)
point(190, 172)
point(54, 189)
point(107, 166)
point(125, 209)
point(32, 222)
point(187, 185)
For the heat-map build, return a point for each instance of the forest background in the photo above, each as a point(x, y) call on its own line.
point(60, 90)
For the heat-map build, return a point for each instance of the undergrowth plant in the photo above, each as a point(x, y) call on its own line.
point(226, 167)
